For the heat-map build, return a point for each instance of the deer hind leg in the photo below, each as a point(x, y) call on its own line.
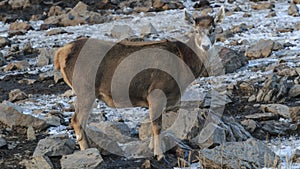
point(79, 120)
point(157, 103)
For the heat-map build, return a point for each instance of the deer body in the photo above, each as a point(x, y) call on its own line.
point(88, 66)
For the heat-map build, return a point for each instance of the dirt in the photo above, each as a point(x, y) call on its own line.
point(46, 86)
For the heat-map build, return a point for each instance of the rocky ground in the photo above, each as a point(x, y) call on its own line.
point(253, 109)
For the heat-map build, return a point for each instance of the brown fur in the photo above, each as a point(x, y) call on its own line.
point(142, 90)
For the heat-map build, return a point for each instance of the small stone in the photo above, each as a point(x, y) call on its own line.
point(261, 116)
point(31, 133)
point(262, 6)
point(19, 4)
point(16, 95)
point(46, 75)
point(249, 125)
point(211, 135)
point(56, 32)
point(295, 91)
point(57, 145)
point(296, 156)
point(121, 31)
point(3, 42)
point(11, 115)
point(278, 109)
point(38, 162)
point(89, 158)
point(293, 10)
point(2, 142)
point(57, 76)
point(263, 48)
point(148, 30)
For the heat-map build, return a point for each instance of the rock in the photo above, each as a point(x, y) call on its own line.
point(101, 140)
point(249, 125)
point(46, 75)
point(295, 91)
point(121, 31)
point(277, 109)
point(293, 10)
point(3, 42)
point(211, 135)
point(224, 36)
point(38, 162)
point(295, 114)
point(18, 28)
point(296, 1)
point(57, 145)
point(56, 32)
point(89, 158)
point(274, 89)
point(11, 115)
point(118, 131)
point(2, 142)
point(19, 4)
point(189, 123)
point(296, 156)
point(46, 56)
point(202, 4)
point(20, 65)
point(53, 120)
point(271, 15)
point(263, 5)
point(2, 60)
point(148, 30)
point(230, 59)
point(16, 95)
point(263, 48)
point(57, 76)
point(55, 11)
point(275, 128)
point(247, 154)
point(31, 133)
point(261, 116)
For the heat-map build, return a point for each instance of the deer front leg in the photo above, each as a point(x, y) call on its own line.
point(157, 102)
point(79, 120)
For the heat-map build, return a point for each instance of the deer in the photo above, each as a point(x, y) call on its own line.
point(89, 66)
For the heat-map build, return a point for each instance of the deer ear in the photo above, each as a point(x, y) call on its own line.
point(220, 16)
point(189, 17)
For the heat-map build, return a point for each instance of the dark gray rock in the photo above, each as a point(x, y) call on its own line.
point(57, 145)
point(2, 60)
point(11, 115)
point(230, 59)
point(2, 142)
point(247, 154)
